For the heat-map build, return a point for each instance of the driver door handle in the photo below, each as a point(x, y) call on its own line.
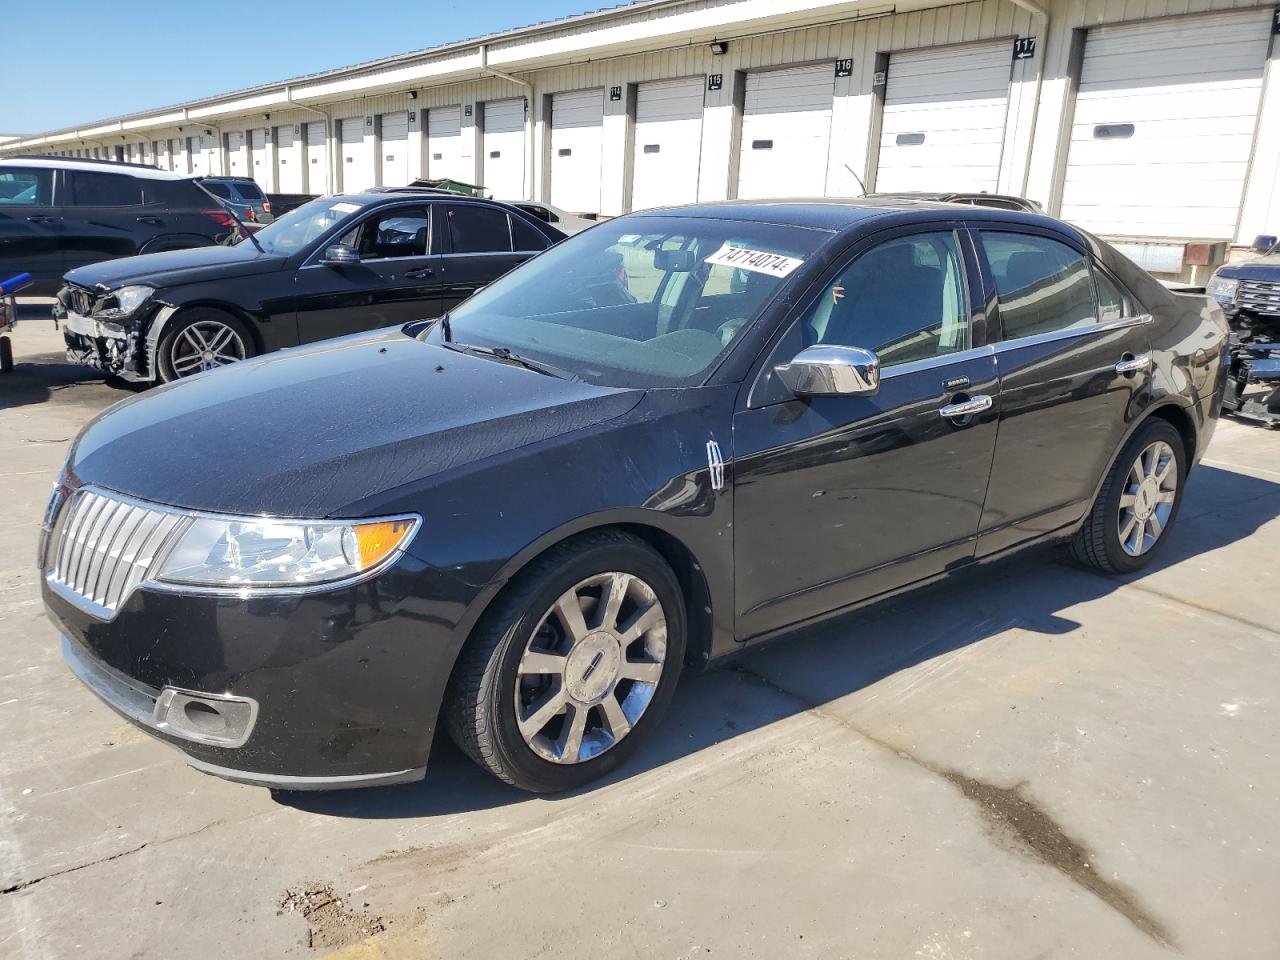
point(1131, 364)
point(153, 221)
point(417, 272)
point(966, 408)
point(41, 218)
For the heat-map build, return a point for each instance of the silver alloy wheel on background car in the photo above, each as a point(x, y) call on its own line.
point(591, 667)
point(1150, 489)
point(204, 345)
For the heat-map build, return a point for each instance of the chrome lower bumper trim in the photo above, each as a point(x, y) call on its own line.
point(281, 782)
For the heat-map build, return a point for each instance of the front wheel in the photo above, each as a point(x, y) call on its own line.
point(576, 663)
point(199, 340)
point(1137, 504)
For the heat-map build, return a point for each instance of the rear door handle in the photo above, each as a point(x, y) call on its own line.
point(1131, 364)
point(966, 408)
point(154, 221)
point(41, 218)
point(417, 272)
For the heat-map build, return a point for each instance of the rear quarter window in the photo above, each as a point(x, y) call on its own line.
point(248, 191)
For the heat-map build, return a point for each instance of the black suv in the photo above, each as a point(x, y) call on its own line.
point(333, 266)
point(57, 214)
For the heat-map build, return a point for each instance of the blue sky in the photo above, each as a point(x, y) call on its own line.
point(122, 56)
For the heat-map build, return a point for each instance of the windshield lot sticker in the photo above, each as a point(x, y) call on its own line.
point(345, 207)
point(757, 261)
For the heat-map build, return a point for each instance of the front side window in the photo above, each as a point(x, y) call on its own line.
point(903, 299)
point(1043, 285)
point(402, 232)
point(637, 302)
point(91, 189)
point(25, 188)
point(478, 229)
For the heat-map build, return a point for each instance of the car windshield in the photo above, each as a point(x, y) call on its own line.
point(298, 228)
point(636, 302)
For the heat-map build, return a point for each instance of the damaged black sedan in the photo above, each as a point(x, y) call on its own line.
point(666, 439)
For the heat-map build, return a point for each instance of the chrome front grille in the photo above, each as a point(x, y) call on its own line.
point(1258, 296)
point(103, 547)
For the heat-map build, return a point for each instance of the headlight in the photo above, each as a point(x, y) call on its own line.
point(255, 553)
point(1223, 289)
point(119, 304)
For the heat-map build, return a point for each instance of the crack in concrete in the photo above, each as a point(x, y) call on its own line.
point(1014, 817)
point(25, 884)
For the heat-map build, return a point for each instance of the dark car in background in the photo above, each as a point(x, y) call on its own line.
point(1249, 292)
point(334, 266)
point(523, 523)
point(242, 196)
point(59, 214)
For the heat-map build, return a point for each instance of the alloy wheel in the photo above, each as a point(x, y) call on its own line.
point(205, 345)
point(591, 667)
point(1151, 487)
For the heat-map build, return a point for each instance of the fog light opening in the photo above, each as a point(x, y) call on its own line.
point(205, 718)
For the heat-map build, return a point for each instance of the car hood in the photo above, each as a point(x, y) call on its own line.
point(307, 432)
point(1263, 268)
point(177, 267)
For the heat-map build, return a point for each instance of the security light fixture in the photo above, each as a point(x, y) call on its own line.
point(413, 94)
point(719, 47)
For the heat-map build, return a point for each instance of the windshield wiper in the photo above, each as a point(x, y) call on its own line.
point(507, 356)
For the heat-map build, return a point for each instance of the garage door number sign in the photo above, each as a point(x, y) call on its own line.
point(1024, 48)
point(755, 261)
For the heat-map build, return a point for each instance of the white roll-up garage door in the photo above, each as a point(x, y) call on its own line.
point(317, 160)
point(196, 156)
point(444, 144)
point(395, 149)
point(786, 132)
point(668, 143)
point(944, 117)
point(1164, 123)
point(357, 158)
point(504, 149)
point(288, 160)
point(577, 136)
point(258, 155)
point(176, 156)
point(235, 154)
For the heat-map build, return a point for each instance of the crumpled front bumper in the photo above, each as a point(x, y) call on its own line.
point(122, 349)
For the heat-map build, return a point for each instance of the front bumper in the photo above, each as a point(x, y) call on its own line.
point(343, 687)
point(124, 349)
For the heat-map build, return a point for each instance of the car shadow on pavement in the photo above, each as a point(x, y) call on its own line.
point(47, 376)
point(824, 663)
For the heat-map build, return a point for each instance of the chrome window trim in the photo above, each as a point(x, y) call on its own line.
point(150, 581)
point(929, 363)
point(1070, 333)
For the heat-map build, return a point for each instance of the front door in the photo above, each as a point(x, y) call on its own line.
point(1075, 361)
point(396, 280)
point(838, 499)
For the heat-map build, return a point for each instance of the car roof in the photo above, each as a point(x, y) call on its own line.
point(836, 214)
point(143, 170)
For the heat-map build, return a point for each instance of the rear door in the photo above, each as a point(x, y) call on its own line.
point(105, 217)
point(1075, 358)
point(839, 499)
point(480, 246)
point(31, 227)
point(396, 280)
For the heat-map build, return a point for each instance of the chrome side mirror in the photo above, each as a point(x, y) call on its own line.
point(831, 371)
point(340, 253)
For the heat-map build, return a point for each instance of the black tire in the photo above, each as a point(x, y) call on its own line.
point(6, 355)
point(188, 319)
point(479, 708)
point(1097, 544)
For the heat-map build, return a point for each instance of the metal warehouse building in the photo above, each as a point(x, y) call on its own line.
point(1155, 123)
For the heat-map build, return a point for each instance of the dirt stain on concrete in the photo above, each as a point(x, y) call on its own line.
point(331, 920)
point(1010, 813)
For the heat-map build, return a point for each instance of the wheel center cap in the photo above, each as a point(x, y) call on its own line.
point(592, 668)
point(1145, 500)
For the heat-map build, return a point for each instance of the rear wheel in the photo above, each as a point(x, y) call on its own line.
point(573, 666)
point(1138, 502)
point(199, 340)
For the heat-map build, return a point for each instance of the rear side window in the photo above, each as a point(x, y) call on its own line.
point(249, 191)
point(219, 190)
point(479, 230)
point(1043, 285)
point(25, 188)
point(92, 189)
point(524, 237)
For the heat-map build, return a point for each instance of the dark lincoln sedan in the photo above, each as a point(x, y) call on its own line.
point(334, 266)
point(527, 517)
